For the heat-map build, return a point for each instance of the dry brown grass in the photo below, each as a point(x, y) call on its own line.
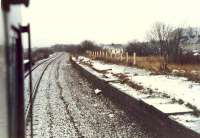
point(191, 71)
point(123, 78)
point(155, 63)
point(186, 67)
point(150, 63)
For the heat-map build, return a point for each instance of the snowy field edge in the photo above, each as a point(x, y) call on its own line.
point(172, 111)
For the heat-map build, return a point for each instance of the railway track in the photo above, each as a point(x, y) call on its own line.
point(35, 67)
point(65, 105)
point(37, 83)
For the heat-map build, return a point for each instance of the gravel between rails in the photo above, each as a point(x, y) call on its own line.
point(66, 106)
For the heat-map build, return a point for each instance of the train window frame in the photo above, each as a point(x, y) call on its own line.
point(6, 3)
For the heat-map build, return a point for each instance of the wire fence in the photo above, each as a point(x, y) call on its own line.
point(113, 57)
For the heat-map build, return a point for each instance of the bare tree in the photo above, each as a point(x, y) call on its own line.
point(175, 39)
point(190, 31)
point(88, 45)
point(161, 32)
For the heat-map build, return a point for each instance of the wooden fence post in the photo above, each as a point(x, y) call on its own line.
point(115, 56)
point(134, 58)
point(120, 57)
point(127, 57)
point(99, 54)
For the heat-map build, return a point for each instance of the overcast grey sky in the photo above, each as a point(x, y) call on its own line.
point(104, 21)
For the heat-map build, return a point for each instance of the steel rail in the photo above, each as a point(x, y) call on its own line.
point(36, 88)
point(27, 73)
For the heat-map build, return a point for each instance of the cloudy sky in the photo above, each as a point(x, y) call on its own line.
point(104, 21)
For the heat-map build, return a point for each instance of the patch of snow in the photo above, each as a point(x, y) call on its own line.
point(83, 59)
point(154, 100)
point(73, 58)
point(111, 115)
point(99, 66)
point(188, 120)
point(174, 71)
point(196, 54)
point(97, 91)
point(177, 87)
point(171, 108)
point(26, 61)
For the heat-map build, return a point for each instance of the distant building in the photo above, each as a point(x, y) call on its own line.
point(191, 36)
point(190, 41)
point(114, 48)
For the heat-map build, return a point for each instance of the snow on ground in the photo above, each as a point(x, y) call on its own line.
point(66, 106)
point(25, 61)
point(35, 76)
point(175, 87)
point(188, 120)
point(49, 114)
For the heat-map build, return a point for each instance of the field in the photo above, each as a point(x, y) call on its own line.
point(191, 71)
point(151, 63)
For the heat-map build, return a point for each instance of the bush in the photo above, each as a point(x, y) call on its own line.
point(39, 53)
point(142, 49)
point(87, 45)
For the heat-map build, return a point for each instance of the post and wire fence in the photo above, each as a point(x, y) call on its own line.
point(118, 57)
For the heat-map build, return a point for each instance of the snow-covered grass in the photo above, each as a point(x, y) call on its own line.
point(153, 63)
point(175, 87)
point(188, 120)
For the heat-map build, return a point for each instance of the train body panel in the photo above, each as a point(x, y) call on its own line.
point(11, 71)
point(3, 97)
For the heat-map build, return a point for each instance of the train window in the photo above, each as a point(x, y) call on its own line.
point(107, 68)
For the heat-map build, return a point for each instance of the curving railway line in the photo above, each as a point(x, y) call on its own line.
point(65, 105)
point(38, 69)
